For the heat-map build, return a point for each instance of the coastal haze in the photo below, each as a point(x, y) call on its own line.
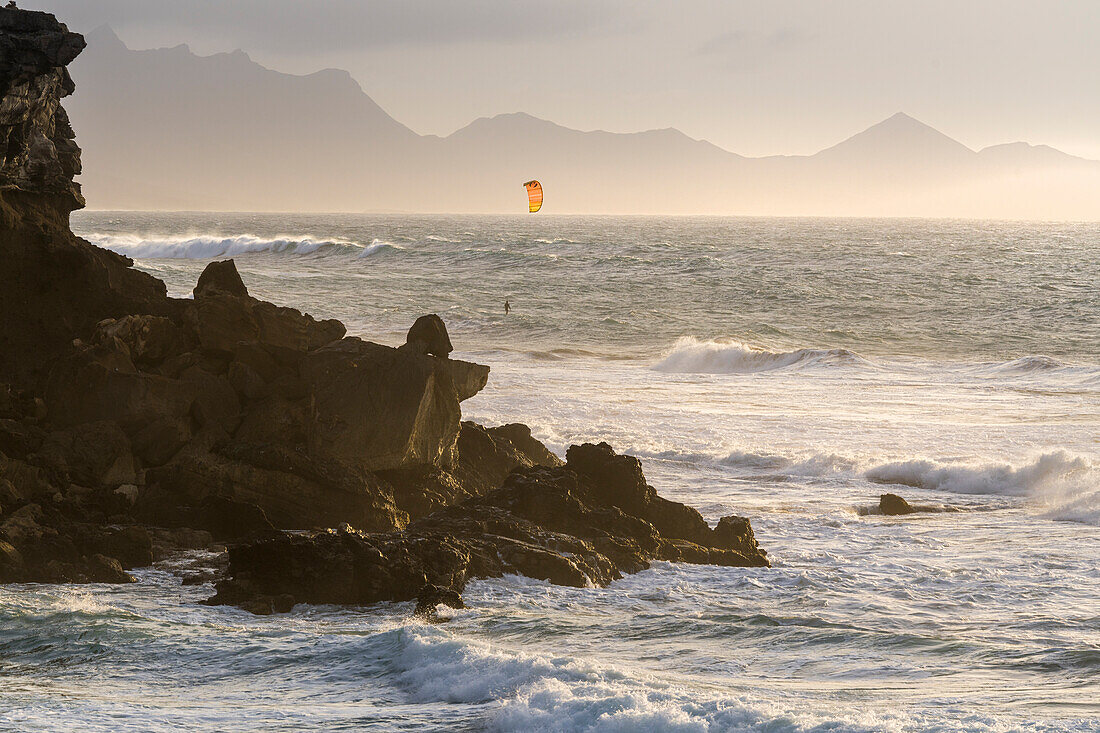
point(409, 506)
point(169, 129)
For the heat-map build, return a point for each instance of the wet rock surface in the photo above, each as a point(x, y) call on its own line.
point(893, 505)
point(579, 524)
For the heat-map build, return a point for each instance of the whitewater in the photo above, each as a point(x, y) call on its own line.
point(787, 370)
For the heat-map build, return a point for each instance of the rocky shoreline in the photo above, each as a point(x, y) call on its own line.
point(133, 425)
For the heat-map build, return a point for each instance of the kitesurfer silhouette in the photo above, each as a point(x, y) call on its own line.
point(507, 307)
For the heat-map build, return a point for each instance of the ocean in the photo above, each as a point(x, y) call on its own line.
point(788, 370)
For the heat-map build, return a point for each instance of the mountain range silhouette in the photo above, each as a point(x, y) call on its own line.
point(168, 129)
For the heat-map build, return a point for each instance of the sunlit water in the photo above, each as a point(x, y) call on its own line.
point(786, 370)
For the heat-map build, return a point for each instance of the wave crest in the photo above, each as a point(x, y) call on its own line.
point(1067, 486)
point(691, 355)
point(541, 692)
point(1060, 485)
point(1004, 479)
point(210, 246)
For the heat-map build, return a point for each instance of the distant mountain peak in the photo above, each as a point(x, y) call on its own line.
point(899, 135)
point(166, 128)
point(901, 122)
point(104, 36)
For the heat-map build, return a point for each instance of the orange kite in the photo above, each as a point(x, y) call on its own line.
point(534, 195)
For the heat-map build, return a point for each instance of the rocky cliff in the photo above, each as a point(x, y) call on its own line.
point(39, 153)
point(52, 284)
point(132, 423)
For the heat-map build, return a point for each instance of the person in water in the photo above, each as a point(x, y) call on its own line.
point(507, 307)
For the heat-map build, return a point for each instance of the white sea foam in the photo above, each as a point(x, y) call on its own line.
point(209, 246)
point(734, 357)
point(1062, 486)
point(1067, 487)
point(1007, 480)
point(565, 694)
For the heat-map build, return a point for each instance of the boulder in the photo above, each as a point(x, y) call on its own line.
point(94, 385)
point(893, 505)
point(227, 518)
point(431, 597)
point(429, 335)
point(102, 569)
point(246, 381)
point(220, 278)
point(487, 455)
point(735, 533)
point(155, 443)
point(624, 486)
point(131, 546)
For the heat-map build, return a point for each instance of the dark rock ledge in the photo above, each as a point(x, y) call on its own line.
point(133, 425)
point(582, 524)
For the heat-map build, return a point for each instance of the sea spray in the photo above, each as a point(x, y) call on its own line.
point(733, 357)
point(209, 246)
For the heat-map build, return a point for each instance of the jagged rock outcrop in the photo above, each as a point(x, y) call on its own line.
point(485, 457)
point(233, 415)
point(246, 401)
point(119, 405)
point(38, 152)
point(584, 523)
point(383, 408)
point(132, 423)
point(53, 286)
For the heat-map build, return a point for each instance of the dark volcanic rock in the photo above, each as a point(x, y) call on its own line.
point(893, 505)
point(622, 485)
point(38, 151)
point(226, 316)
point(133, 425)
point(225, 414)
point(429, 334)
point(381, 408)
point(432, 596)
point(485, 457)
point(551, 523)
point(221, 278)
point(53, 286)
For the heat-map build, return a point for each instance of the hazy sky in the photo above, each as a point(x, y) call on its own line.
point(756, 78)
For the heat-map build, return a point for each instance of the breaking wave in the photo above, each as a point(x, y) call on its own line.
point(1042, 367)
point(1003, 479)
point(1062, 486)
point(733, 357)
point(1067, 487)
point(563, 694)
point(210, 246)
point(1028, 365)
